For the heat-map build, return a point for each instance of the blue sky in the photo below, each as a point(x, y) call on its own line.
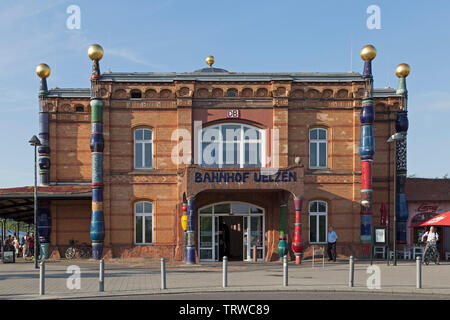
point(244, 36)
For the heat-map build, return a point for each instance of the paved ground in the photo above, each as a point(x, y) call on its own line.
point(141, 278)
point(270, 295)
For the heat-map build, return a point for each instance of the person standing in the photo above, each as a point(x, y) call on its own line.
point(332, 238)
point(25, 246)
point(30, 241)
point(16, 245)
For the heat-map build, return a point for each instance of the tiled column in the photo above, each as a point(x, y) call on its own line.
point(297, 244)
point(190, 232)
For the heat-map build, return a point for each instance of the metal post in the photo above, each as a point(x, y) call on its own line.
point(42, 279)
point(418, 272)
point(285, 271)
point(395, 203)
point(225, 272)
point(351, 274)
point(323, 257)
point(35, 212)
point(163, 273)
point(3, 237)
point(101, 279)
point(254, 253)
point(313, 256)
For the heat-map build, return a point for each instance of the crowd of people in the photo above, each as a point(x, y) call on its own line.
point(24, 246)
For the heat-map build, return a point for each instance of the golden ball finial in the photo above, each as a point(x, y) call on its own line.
point(402, 70)
point(210, 60)
point(43, 70)
point(95, 52)
point(368, 52)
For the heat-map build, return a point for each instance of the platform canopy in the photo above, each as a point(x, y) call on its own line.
point(18, 203)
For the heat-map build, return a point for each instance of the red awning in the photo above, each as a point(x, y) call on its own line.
point(442, 219)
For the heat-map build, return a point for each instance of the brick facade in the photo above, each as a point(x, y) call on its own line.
point(291, 107)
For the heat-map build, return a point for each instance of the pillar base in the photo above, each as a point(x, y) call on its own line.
point(366, 250)
point(282, 248)
point(44, 250)
point(298, 259)
point(190, 255)
point(97, 250)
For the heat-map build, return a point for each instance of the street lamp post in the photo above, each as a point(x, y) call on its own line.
point(394, 138)
point(35, 142)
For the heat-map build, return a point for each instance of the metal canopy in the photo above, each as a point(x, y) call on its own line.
point(18, 203)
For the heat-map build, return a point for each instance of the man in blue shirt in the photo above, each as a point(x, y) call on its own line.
point(332, 238)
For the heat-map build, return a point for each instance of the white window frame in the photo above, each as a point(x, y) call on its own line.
point(318, 141)
point(143, 142)
point(317, 215)
point(143, 215)
point(241, 143)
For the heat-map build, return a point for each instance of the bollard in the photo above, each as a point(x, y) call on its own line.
point(419, 272)
point(323, 257)
point(101, 276)
point(42, 279)
point(285, 271)
point(254, 254)
point(351, 274)
point(225, 272)
point(163, 273)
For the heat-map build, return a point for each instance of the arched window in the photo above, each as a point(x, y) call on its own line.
point(79, 108)
point(143, 149)
point(136, 94)
point(143, 222)
point(318, 221)
point(231, 145)
point(232, 93)
point(318, 148)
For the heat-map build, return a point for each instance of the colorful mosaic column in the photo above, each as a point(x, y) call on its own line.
point(95, 53)
point(401, 125)
point(44, 217)
point(43, 71)
point(190, 232)
point(367, 149)
point(282, 245)
point(297, 244)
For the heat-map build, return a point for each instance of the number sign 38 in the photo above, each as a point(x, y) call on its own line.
point(234, 113)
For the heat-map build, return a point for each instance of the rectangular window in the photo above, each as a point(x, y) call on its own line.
point(143, 149)
point(318, 148)
point(139, 235)
point(143, 212)
point(322, 155)
point(312, 229)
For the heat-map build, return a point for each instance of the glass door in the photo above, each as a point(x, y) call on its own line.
point(206, 239)
point(253, 236)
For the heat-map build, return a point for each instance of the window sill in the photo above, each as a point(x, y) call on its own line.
point(144, 244)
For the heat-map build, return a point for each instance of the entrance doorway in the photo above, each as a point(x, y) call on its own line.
point(230, 238)
point(237, 227)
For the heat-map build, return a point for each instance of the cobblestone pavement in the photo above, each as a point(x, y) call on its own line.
point(141, 276)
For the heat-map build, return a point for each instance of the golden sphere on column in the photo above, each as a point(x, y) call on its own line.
point(368, 52)
point(209, 60)
point(95, 52)
point(402, 70)
point(43, 70)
